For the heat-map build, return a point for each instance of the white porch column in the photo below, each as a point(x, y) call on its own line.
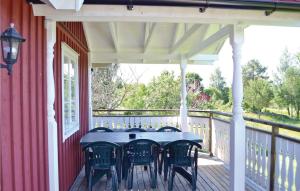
point(237, 129)
point(183, 107)
point(91, 125)
point(52, 125)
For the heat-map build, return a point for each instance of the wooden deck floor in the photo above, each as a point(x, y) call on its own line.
point(212, 176)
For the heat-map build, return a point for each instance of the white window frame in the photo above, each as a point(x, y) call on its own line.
point(73, 55)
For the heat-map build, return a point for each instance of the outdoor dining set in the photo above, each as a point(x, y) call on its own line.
point(116, 152)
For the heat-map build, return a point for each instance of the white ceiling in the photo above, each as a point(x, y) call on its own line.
point(143, 42)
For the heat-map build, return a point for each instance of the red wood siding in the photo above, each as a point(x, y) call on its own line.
point(69, 152)
point(23, 122)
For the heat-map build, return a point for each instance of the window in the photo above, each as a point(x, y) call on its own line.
point(70, 93)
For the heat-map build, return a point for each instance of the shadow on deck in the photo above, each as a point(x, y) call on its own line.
point(212, 176)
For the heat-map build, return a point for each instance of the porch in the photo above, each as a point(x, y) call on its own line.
point(182, 36)
point(35, 155)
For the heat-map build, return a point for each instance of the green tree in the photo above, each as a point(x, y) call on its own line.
point(287, 59)
point(291, 86)
point(218, 89)
point(217, 80)
point(283, 80)
point(136, 97)
point(108, 88)
point(258, 91)
point(163, 92)
point(194, 90)
point(253, 70)
point(193, 82)
point(258, 94)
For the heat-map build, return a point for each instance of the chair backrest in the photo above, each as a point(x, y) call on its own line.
point(142, 151)
point(104, 154)
point(135, 130)
point(168, 129)
point(101, 129)
point(180, 151)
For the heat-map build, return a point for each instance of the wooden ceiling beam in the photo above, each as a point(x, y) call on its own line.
point(114, 34)
point(187, 35)
point(220, 34)
point(149, 36)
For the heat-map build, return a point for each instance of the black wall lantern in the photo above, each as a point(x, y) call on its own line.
point(11, 41)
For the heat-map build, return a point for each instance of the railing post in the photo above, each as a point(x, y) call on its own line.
point(90, 103)
point(275, 131)
point(210, 134)
point(183, 105)
point(237, 129)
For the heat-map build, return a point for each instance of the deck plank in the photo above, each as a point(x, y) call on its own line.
point(212, 176)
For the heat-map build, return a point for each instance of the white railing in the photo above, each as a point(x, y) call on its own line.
point(135, 121)
point(272, 152)
point(258, 147)
point(221, 140)
point(200, 126)
point(287, 169)
point(272, 156)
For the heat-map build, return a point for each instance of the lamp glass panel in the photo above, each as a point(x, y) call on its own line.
point(5, 49)
point(14, 49)
point(10, 49)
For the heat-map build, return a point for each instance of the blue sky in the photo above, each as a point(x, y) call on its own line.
point(264, 43)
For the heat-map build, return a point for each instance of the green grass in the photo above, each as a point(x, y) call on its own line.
point(273, 115)
point(275, 118)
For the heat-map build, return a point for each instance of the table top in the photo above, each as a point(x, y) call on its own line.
point(124, 129)
point(123, 137)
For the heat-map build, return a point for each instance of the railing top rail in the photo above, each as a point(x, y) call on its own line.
point(132, 116)
point(134, 110)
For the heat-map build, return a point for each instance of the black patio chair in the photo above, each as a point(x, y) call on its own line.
point(135, 130)
point(164, 129)
point(101, 129)
point(141, 152)
point(181, 154)
point(105, 158)
point(168, 129)
point(88, 153)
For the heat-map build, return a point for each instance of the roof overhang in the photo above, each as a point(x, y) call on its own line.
point(267, 5)
point(160, 34)
point(108, 13)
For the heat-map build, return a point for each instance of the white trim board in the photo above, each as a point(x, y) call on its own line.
point(72, 54)
point(52, 124)
point(112, 13)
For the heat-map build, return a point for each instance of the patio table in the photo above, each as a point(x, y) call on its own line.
point(162, 138)
point(124, 129)
point(122, 138)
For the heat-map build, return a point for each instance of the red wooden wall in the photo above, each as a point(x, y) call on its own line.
point(69, 152)
point(23, 121)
